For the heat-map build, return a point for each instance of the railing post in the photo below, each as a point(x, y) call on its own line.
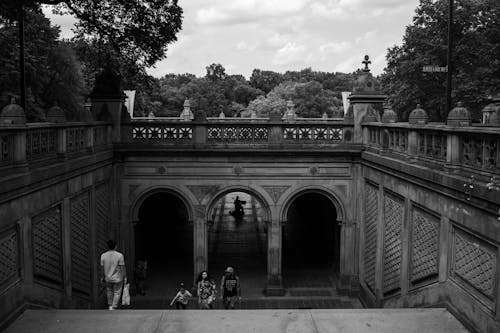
point(61, 142)
point(200, 132)
point(412, 149)
point(452, 150)
point(89, 145)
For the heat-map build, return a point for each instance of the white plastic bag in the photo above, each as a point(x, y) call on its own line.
point(126, 294)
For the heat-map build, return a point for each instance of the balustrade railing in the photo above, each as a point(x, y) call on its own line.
point(251, 131)
point(475, 147)
point(41, 141)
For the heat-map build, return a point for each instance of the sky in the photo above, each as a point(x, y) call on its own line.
point(281, 35)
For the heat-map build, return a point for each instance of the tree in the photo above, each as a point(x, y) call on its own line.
point(53, 73)
point(216, 72)
point(476, 58)
point(141, 34)
point(265, 80)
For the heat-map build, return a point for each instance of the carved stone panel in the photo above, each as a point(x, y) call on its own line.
point(370, 250)
point(102, 217)
point(474, 263)
point(394, 214)
point(9, 257)
point(276, 191)
point(200, 191)
point(80, 259)
point(424, 246)
point(47, 246)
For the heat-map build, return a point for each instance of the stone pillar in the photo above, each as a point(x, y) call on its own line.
point(405, 250)
point(366, 92)
point(444, 241)
point(452, 150)
point(379, 261)
point(61, 142)
point(66, 247)
point(94, 255)
point(27, 251)
point(19, 154)
point(274, 252)
point(200, 240)
point(109, 108)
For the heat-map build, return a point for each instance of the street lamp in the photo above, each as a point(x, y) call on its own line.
point(449, 56)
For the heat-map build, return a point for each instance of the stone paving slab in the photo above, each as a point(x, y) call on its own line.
point(239, 321)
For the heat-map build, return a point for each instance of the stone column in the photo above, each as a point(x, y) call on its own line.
point(200, 239)
point(66, 246)
point(274, 252)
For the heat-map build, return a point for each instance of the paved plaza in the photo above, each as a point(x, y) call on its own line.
point(227, 321)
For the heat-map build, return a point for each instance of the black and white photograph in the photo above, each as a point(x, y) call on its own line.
point(244, 166)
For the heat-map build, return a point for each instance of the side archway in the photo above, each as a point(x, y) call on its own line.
point(311, 236)
point(162, 238)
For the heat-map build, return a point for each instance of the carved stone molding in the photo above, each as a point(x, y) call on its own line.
point(200, 191)
point(131, 190)
point(342, 189)
point(276, 191)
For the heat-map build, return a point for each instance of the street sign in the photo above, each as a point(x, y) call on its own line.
point(435, 69)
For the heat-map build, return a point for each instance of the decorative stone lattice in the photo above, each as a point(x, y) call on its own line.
point(425, 246)
point(394, 213)
point(162, 133)
point(102, 217)
point(398, 140)
point(76, 139)
point(475, 263)
point(80, 261)
point(100, 135)
point(237, 134)
point(40, 142)
point(6, 147)
point(370, 251)
point(432, 145)
point(481, 152)
point(302, 133)
point(9, 257)
point(47, 246)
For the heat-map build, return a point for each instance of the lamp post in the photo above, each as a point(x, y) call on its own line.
point(449, 57)
point(22, 78)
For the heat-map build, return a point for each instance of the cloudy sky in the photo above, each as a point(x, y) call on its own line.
point(280, 35)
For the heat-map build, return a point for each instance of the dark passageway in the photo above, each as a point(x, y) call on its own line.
point(311, 238)
point(164, 237)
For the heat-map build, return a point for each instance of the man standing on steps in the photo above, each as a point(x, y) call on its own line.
point(230, 288)
point(114, 274)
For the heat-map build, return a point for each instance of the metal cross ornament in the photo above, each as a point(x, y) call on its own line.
point(366, 62)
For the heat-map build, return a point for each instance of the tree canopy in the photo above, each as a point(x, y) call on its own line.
point(139, 29)
point(476, 58)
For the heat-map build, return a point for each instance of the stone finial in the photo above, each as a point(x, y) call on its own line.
point(491, 112)
point(324, 115)
point(459, 116)
point(222, 115)
point(366, 62)
point(12, 114)
point(290, 110)
point(418, 116)
point(389, 115)
point(55, 114)
point(187, 114)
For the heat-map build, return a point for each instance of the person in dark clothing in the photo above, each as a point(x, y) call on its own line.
point(230, 288)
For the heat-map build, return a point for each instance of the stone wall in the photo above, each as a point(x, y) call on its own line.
point(426, 243)
point(54, 221)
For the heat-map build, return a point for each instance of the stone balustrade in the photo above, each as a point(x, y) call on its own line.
point(475, 148)
point(259, 131)
point(25, 144)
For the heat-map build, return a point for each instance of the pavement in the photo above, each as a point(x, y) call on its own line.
point(240, 321)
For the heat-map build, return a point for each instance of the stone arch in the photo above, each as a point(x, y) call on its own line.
point(209, 202)
point(146, 193)
point(339, 205)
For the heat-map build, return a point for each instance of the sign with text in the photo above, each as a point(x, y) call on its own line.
point(435, 69)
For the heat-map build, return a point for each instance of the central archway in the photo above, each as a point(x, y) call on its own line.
point(311, 241)
point(237, 237)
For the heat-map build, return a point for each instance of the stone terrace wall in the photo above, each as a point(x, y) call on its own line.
point(430, 234)
point(56, 213)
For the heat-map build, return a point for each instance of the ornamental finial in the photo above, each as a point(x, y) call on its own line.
point(366, 62)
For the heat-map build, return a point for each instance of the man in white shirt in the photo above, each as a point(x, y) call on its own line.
point(114, 274)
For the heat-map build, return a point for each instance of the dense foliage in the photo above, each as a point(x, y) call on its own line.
point(476, 58)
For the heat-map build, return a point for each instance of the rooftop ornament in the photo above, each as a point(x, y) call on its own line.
point(389, 115)
point(366, 62)
point(290, 110)
point(491, 112)
point(12, 114)
point(418, 116)
point(459, 116)
point(187, 114)
point(55, 114)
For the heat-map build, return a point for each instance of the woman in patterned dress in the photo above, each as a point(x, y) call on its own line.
point(206, 291)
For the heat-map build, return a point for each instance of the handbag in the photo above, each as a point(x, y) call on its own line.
point(126, 294)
